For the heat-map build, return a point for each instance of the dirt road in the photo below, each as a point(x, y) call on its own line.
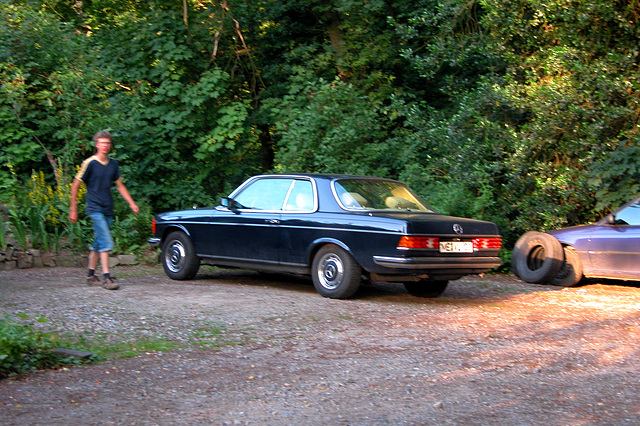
point(269, 350)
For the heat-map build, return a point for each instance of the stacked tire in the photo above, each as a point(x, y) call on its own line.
point(540, 258)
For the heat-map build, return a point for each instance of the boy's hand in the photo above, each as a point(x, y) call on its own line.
point(73, 215)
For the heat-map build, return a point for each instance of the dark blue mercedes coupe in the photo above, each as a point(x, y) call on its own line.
point(341, 230)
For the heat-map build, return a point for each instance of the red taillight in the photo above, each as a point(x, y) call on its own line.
point(153, 226)
point(487, 243)
point(419, 242)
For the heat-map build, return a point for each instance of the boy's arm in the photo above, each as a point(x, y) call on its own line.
point(125, 194)
point(73, 205)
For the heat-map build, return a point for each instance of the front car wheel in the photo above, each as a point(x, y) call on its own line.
point(178, 257)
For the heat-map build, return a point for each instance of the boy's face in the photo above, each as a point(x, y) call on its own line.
point(103, 145)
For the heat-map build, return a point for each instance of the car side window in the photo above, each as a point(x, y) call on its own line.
point(300, 197)
point(264, 194)
point(629, 215)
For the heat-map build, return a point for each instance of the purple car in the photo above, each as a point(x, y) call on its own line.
point(609, 248)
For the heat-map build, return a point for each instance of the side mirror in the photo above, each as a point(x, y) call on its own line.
point(230, 204)
point(613, 220)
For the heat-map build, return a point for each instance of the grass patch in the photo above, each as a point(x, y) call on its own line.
point(104, 349)
point(210, 337)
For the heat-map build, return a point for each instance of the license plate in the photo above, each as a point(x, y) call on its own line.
point(456, 247)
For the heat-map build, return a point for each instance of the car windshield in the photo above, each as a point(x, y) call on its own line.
point(371, 194)
point(629, 215)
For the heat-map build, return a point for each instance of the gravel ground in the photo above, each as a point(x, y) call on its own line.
point(258, 349)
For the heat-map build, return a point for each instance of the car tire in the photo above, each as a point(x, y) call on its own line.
point(537, 257)
point(335, 273)
point(571, 271)
point(178, 257)
point(426, 288)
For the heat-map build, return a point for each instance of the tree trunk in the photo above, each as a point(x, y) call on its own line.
point(266, 148)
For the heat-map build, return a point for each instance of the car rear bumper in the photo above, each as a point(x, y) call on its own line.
point(154, 242)
point(437, 263)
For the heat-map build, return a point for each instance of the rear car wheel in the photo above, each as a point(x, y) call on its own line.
point(335, 273)
point(426, 288)
point(537, 257)
point(571, 271)
point(179, 258)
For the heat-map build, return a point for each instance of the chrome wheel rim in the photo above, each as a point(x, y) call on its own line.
point(330, 271)
point(175, 257)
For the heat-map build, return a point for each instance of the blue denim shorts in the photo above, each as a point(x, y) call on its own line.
point(101, 226)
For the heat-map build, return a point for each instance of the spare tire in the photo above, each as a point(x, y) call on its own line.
point(537, 257)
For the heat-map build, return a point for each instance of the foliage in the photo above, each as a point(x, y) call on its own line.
point(524, 112)
point(334, 127)
point(52, 97)
point(540, 118)
point(617, 175)
point(39, 215)
point(3, 232)
point(24, 348)
point(38, 218)
point(130, 232)
point(182, 128)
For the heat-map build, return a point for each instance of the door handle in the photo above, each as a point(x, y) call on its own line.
point(274, 221)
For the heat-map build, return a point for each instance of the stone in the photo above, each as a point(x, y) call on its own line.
point(151, 257)
point(24, 260)
point(9, 265)
point(113, 261)
point(72, 353)
point(65, 260)
point(48, 259)
point(83, 261)
point(127, 259)
point(37, 262)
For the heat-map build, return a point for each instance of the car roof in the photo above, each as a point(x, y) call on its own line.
point(327, 176)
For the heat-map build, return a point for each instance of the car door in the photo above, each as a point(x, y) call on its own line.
point(614, 248)
point(299, 226)
point(251, 231)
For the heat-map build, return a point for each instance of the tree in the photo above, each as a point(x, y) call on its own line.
point(51, 99)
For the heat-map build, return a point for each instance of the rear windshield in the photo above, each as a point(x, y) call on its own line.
point(371, 194)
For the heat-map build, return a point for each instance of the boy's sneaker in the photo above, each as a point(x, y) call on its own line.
point(93, 280)
point(110, 284)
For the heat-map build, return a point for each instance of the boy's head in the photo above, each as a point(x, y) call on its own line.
point(102, 134)
point(103, 141)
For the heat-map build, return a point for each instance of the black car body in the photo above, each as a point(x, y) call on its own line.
point(335, 228)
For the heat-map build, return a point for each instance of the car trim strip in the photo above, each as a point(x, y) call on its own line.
point(437, 262)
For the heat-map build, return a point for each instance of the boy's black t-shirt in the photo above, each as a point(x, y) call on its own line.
point(99, 178)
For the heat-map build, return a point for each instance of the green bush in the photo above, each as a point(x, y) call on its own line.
point(39, 215)
point(38, 218)
point(23, 349)
point(130, 232)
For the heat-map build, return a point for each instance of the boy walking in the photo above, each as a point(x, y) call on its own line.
point(99, 173)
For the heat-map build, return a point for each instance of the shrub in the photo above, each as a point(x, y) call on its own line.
point(23, 349)
point(39, 215)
